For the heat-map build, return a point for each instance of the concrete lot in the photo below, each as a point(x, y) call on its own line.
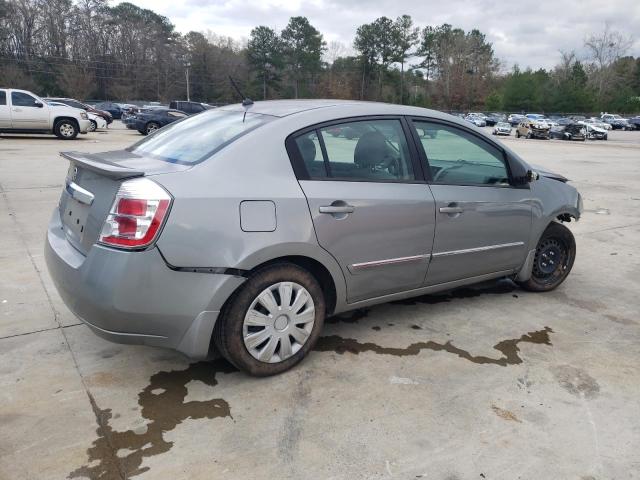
point(490, 382)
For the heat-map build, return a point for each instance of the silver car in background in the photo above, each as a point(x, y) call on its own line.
point(241, 228)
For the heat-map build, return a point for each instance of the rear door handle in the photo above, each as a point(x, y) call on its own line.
point(337, 209)
point(450, 210)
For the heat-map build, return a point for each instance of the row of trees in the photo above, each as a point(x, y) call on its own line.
point(89, 49)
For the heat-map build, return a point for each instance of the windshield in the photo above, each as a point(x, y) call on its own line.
point(193, 139)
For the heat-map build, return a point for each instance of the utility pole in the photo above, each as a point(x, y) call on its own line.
point(187, 75)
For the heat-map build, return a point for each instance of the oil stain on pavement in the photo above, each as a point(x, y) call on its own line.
point(163, 406)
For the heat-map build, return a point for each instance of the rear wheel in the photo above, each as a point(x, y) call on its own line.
point(555, 254)
point(66, 129)
point(272, 322)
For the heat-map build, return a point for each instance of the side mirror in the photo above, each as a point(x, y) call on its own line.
point(38, 104)
point(532, 176)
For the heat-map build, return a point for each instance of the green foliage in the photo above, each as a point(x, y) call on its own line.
point(493, 102)
point(302, 46)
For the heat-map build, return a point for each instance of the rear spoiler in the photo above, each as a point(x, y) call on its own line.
point(103, 167)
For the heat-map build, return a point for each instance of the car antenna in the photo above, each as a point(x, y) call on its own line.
point(246, 101)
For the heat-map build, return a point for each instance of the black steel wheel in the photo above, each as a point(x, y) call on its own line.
point(555, 254)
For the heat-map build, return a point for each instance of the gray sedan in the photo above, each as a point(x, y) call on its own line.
point(241, 228)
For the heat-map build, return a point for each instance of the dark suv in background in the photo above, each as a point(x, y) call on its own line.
point(190, 108)
point(113, 108)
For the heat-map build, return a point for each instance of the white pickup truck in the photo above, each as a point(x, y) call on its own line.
point(24, 112)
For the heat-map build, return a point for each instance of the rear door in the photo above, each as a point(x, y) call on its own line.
point(483, 222)
point(5, 110)
point(26, 114)
point(370, 207)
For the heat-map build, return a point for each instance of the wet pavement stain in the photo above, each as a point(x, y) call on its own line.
point(508, 348)
point(163, 406)
point(505, 414)
point(498, 288)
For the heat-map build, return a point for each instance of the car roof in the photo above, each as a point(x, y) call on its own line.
point(283, 108)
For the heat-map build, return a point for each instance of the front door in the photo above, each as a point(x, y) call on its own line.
point(28, 113)
point(369, 207)
point(483, 223)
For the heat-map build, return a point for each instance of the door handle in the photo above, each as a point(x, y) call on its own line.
point(337, 209)
point(451, 209)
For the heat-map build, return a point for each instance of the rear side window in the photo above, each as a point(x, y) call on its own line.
point(457, 157)
point(20, 99)
point(194, 139)
point(367, 150)
point(3, 97)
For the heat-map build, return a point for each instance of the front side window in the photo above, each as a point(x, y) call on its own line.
point(367, 150)
point(457, 157)
point(195, 138)
point(20, 99)
point(3, 97)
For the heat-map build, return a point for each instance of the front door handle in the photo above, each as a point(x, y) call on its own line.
point(450, 209)
point(333, 209)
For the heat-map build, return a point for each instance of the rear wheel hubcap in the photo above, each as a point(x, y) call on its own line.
point(279, 322)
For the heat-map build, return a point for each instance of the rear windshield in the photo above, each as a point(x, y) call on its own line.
point(194, 139)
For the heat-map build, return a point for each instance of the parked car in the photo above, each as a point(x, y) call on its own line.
point(573, 131)
point(95, 122)
point(564, 121)
point(593, 132)
point(113, 108)
point(532, 129)
point(515, 119)
point(189, 239)
point(550, 122)
point(616, 121)
point(24, 112)
point(150, 120)
point(635, 122)
point(87, 108)
point(190, 108)
point(128, 110)
point(493, 118)
point(476, 120)
point(502, 128)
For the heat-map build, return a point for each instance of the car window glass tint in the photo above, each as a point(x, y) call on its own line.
point(457, 157)
point(373, 150)
point(3, 97)
point(19, 99)
point(311, 153)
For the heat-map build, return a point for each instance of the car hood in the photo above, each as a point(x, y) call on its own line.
point(66, 110)
point(549, 174)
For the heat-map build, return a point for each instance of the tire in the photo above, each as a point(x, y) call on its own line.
point(517, 134)
point(557, 241)
point(529, 135)
point(235, 326)
point(93, 126)
point(66, 129)
point(151, 127)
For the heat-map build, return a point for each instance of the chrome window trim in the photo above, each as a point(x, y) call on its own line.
point(389, 261)
point(478, 249)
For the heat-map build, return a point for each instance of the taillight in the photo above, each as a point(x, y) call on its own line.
point(137, 214)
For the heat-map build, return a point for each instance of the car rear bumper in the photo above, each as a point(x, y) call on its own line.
point(134, 297)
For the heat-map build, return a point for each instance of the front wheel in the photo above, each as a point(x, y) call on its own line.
point(151, 127)
point(93, 126)
point(555, 254)
point(66, 129)
point(272, 322)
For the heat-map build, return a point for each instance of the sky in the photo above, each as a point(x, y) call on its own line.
point(529, 33)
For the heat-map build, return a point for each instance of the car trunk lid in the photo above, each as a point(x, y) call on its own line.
point(91, 186)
